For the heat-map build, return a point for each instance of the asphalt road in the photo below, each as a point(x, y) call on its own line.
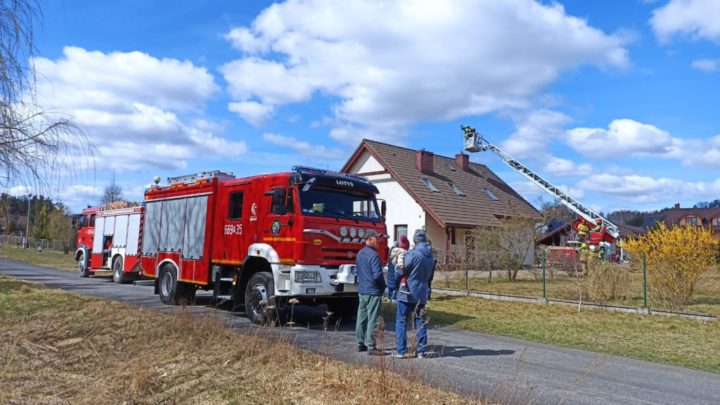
point(492, 367)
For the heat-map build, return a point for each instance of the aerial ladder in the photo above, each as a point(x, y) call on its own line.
point(473, 141)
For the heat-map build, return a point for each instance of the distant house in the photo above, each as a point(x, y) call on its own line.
point(694, 216)
point(446, 196)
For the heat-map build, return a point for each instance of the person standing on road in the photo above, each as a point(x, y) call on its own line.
point(371, 287)
point(419, 263)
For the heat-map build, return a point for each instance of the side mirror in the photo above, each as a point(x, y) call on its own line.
point(383, 208)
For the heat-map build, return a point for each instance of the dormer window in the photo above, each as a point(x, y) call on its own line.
point(716, 221)
point(490, 194)
point(691, 220)
point(456, 189)
point(429, 185)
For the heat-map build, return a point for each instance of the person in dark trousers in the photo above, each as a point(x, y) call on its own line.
point(419, 263)
point(371, 287)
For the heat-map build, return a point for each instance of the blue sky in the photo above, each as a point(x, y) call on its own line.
point(617, 101)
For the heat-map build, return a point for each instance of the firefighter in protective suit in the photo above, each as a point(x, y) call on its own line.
point(582, 232)
point(598, 225)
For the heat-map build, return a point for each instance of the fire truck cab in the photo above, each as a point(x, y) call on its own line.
point(260, 241)
point(83, 242)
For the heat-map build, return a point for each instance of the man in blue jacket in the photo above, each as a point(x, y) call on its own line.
point(371, 287)
point(419, 263)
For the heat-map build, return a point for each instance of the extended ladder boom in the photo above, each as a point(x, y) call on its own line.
point(474, 142)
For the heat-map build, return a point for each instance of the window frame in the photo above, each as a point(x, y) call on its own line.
point(396, 228)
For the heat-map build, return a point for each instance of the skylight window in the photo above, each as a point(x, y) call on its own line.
point(490, 194)
point(429, 185)
point(456, 189)
point(450, 166)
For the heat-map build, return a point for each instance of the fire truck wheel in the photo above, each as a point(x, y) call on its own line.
point(118, 273)
point(259, 305)
point(82, 268)
point(171, 291)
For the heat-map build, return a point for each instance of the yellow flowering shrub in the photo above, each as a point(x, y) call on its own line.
point(676, 257)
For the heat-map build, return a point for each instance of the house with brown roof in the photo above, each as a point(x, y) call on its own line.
point(446, 196)
point(694, 216)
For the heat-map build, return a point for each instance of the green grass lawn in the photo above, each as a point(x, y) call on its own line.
point(678, 341)
point(46, 258)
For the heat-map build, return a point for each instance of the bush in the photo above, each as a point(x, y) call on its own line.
point(606, 282)
point(676, 257)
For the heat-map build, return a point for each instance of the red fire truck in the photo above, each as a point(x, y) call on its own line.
point(259, 241)
point(108, 241)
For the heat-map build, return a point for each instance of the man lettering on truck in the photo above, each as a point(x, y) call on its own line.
point(371, 286)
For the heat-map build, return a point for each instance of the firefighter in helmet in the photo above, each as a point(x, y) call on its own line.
point(598, 225)
point(582, 231)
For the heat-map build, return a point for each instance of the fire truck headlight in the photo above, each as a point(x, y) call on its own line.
point(302, 276)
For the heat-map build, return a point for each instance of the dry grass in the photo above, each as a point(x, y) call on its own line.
point(57, 347)
point(575, 287)
point(47, 258)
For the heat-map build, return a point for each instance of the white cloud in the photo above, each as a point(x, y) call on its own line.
point(80, 195)
point(445, 60)
point(305, 148)
point(644, 189)
point(136, 109)
point(696, 18)
point(627, 137)
point(252, 112)
point(706, 65)
point(624, 137)
point(563, 167)
point(534, 131)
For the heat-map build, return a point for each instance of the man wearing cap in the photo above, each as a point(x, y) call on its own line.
point(371, 287)
point(419, 263)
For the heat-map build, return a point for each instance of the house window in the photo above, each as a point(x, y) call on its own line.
point(456, 189)
point(451, 232)
point(691, 220)
point(450, 166)
point(716, 221)
point(400, 230)
point(429, 185)
point(490, 194)
point(235, 206)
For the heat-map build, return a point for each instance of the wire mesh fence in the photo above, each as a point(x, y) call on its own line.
point(580, 278)
point(57, 245)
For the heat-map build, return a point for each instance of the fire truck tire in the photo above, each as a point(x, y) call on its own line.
point(118, 273)
point(260, 305)
point(82, 267)
point(173, 292)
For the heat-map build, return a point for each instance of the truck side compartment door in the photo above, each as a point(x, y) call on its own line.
point(233, 225)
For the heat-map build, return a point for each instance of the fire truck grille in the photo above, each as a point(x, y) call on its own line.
point(339, 254)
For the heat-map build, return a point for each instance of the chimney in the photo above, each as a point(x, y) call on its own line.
point(677, 205)
point(424, 161)
point(462, 161)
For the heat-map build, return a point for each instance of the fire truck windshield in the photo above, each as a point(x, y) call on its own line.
point(339, 203)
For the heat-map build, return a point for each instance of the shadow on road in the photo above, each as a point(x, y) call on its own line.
point(465, 351)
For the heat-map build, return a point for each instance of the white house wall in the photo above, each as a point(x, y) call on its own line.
point(402, 209)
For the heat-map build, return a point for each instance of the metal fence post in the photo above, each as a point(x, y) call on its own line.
point(644, 270)
point(543, 276)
